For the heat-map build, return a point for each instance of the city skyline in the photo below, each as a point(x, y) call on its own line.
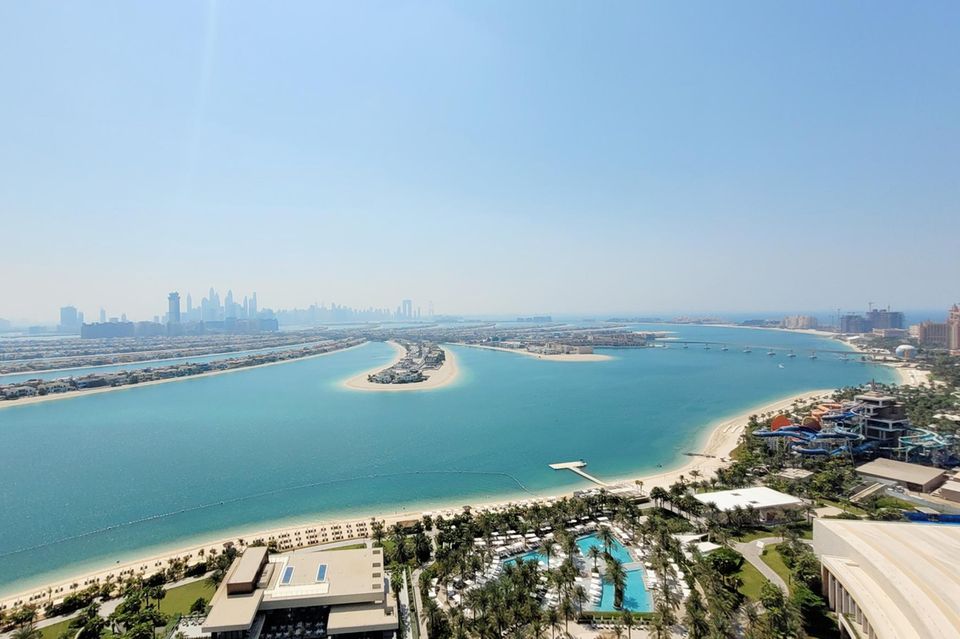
point(580, 163)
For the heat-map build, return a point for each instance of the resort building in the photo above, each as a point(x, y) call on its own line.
point(770, 505)
point(308, 594)
point(890, 580)
point(923, 479)
point(884, 418)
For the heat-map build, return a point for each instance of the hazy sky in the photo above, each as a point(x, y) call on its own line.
point(491, 157)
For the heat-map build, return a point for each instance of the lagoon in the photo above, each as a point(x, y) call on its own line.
point(108, 476)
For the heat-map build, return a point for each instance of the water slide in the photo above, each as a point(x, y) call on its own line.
point(813, 440)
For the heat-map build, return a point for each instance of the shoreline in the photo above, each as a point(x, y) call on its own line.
point(437, 378)
point(568, 357)
point(719, 439)
point(28, 401)
point(246, 351)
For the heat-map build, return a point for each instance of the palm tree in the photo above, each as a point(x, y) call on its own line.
point(594, 553)
point(696, 616)
point(26, 632)
point(568, 612)
point(605, 536)
point(618, 577)
point(553, 620)
point(548, 547)
point(580, 594)
point(628, 621)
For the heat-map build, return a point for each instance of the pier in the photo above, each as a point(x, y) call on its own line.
point(577, 467)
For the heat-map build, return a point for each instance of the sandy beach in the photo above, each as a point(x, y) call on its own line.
point(911, 376)
point(586, 357)
point(712, 453)
point(26, 401)
point(443, 376)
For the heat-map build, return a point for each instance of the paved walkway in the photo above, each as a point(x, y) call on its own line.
point(751, 552)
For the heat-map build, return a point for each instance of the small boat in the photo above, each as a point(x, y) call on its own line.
point(686, 346)
point(771, 353)
point(814, 356)
point(747, 350)
point(724, 349)
point(707, 347)
point(781, 365)
point(791, 354)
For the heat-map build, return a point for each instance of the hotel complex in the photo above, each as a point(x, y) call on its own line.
point(308, 594)
point(890, 580)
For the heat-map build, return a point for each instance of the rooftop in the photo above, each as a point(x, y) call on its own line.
point(756, 497)
point(900, 471)
point(904, 576)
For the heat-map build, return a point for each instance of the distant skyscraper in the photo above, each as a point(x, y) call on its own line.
point(253, 305)
point(189, 304)
point(173, 308)
point(228, 310)
point(69, 320)
point(103, 316)
point(406, 309)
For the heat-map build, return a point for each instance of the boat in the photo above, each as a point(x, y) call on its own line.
point(707, 347)
point(724, 349)
point(771, 353)
point(747, 350)
point(791, 354)
point(814, 356)
point(780, 365)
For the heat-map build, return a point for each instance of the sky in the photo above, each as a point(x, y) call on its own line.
point(490, 157)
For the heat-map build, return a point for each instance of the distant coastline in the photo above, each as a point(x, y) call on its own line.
point(27, 401)
point(566, 357)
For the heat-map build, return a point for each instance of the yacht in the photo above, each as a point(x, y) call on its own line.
point(792, 354)
point(747, 350)
point(771, 353)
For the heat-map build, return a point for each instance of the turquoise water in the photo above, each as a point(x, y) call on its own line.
point(96, 478)
point(530, 556)
point(635, 595)
point(617, 551)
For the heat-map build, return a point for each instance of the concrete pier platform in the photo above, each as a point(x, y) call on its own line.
point(577, 467)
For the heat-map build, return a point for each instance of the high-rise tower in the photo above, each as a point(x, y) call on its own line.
point(173, 308)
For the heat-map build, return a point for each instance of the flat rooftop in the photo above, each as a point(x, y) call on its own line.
point(331, 574)
point(756, 497)
point(904, 576)
point(900, 471)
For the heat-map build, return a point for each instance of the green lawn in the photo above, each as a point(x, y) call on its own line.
point(752, 581)
point(850, 509)
point(179, 599)
point(348, 547)
point(772, 557)
point(54, 631)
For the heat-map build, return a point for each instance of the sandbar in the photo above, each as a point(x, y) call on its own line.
point(436, 378)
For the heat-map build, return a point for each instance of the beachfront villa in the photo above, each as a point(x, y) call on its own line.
point(891, 580)
point(771, 506)
point(304, 594)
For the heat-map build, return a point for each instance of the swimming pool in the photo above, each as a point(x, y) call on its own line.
point(617, 551)
point(635, 595)
point(533, 555)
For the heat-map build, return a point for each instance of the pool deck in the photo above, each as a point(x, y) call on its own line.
point(577, 467)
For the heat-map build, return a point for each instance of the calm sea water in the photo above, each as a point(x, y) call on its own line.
point(92, 479)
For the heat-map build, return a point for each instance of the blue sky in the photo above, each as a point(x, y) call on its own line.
point(488, 156)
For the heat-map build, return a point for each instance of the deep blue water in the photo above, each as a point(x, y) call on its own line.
point(244, 449)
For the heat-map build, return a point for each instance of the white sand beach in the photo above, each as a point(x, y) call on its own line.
point(443, 376)
point(718, 443)
point(911, 376)
point(569, 357)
